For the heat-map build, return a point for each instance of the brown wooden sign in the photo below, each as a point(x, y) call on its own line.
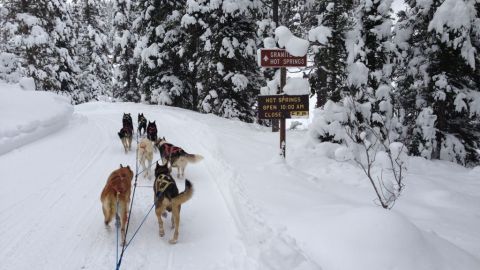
point(281, 58)
point(282, 106)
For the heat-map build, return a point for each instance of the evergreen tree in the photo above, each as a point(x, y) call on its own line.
point(329, 78)
point(10, 69)
point(41, 34)
point(293, 16)
point(370, 73)
point(358, 92)
point(330, 22)
point(162, 72)
point(92, 51)
point(125, 85)
point(438, 41)
point(229, 76)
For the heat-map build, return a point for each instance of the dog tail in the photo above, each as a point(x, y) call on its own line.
point(193, 158)
point(185, 195)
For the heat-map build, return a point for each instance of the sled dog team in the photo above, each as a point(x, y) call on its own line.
point(167, 197)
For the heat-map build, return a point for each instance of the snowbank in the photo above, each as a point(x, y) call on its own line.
point(431, 226)
point(372, 238)
point(27, 116)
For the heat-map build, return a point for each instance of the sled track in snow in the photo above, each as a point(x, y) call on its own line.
point(247, 216)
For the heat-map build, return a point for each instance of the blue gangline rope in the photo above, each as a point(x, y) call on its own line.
point(141, 223)
point(117, 225)
point(119, 261)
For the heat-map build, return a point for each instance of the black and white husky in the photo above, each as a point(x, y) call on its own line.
point(142, 124)
point(126, 133)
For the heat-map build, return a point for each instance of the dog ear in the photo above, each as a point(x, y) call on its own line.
point(121, 165)
point(128, 166)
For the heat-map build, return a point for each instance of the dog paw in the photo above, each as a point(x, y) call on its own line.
point(162, 233)
point(172, 241)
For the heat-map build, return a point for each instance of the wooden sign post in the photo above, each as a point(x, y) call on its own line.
point(282, 106)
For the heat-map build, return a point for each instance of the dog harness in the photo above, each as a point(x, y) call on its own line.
point(127, 122)
point(126, 131)
point(152, 133)
point(161, 184)
point(170, 149)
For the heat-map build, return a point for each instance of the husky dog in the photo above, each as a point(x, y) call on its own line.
point(142, 124)
point(152, 131)
point(168, 198)
point(127, 121)
point(117, 193)
point(145, 153)
point(126, 133)
point(176, 156)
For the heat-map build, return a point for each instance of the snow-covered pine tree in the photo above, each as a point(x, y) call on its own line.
point(10, 69)
point(292, 14)
point(125, 65)
point(229, 76)
point(95, 77)
point(162, 70)
point(370, 72)
point(410, 35)
point(41, 35)
point(194, 26)
point(107, 12)
point(438, 41)
point(353, 78)
point(330, 25)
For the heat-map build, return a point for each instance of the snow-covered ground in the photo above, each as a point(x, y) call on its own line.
point(250, 209)
point(26, 116)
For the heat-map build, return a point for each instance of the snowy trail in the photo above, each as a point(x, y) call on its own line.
point(250, 210)
point(263, 242)
point(55, 215)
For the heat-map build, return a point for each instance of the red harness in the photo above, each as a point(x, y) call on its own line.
point(151, 130)
point(170, 149)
